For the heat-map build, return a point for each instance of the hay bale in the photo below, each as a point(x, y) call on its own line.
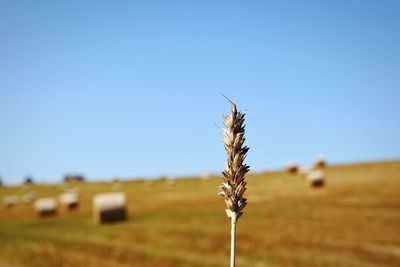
point(70, 200)
point(305, 170)
point(207, 175)
point(10, 201)
point(320, 162)
point(28, 197)
point(316, 178)
point(291, 167)
point(109, 207)
point(46, 207)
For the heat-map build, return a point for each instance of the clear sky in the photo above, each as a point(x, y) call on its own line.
point(133, 88)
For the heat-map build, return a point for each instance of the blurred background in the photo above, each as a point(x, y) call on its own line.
point(127, 96)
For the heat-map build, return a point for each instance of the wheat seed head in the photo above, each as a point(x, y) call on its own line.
point(234, 184)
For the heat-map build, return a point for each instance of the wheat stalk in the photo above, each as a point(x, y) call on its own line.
point(234, 184)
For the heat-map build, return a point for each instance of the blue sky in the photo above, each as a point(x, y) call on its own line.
point(133, 88)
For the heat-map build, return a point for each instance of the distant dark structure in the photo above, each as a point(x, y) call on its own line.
point(28, 180)
point(73, 178)
point(1, 182)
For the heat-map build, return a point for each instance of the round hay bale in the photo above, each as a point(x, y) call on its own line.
point(320, 162)
point(291, 167)
point(70, 200)
point(109, 207)
point(46, 207)
point(28, 197)
point(10, 201)
point(207, 175)
point(316, 178)
point(305, 170)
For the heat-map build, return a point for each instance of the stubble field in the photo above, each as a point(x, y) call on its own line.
point(353, 221)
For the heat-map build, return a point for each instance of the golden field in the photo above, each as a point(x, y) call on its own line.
point(353, 221)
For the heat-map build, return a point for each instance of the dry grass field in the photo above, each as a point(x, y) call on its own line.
point(353, 221)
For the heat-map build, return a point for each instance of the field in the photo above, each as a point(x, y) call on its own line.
point(353, 221)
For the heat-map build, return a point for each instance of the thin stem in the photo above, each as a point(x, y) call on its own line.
point(233, 238)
